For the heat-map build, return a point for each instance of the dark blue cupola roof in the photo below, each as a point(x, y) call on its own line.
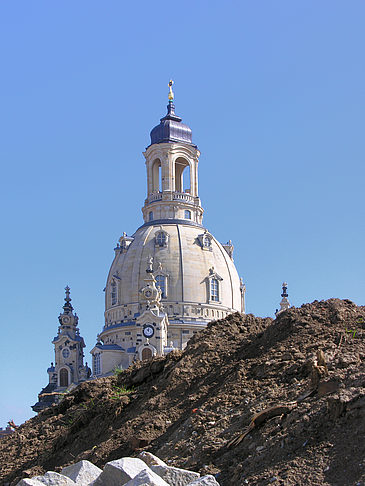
point(171, 129)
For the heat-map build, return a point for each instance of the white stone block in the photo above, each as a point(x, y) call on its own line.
point(29, 482)
point(150, 459)
point(82, 473)
point(147, 478)
point(120, 471)
point(54, 479)
point(208, 480)
point(175, 475)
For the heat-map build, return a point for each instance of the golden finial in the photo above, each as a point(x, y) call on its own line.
point(171, 93)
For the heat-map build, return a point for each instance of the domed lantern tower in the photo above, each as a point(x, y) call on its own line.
point(172, 171)
point(171, 277)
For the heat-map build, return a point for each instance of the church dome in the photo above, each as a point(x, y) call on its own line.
point(198, 279)
point(171, 128)
point(171, 277)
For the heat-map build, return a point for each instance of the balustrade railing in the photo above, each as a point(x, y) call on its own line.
point(157, 196)
point(183, 196)
point(171, 196)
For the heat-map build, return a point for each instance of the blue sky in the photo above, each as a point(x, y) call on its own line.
point(274, 93)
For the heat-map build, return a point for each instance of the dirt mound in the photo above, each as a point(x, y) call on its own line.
point(206, 408)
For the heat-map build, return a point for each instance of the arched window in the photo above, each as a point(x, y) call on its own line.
point(156, 176)
point(207, 241)
point(97, 364)
point(113, 293)
point(187, 214)
point(146, 354)
point(214, 290)
point(182, 175)
point(161, 283)
point(63, 377)
point(161, 238)
point(150, 216)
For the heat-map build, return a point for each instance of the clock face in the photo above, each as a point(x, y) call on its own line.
point(66, 353)
point(148, 331)
point(66, 320)
point(148, 293)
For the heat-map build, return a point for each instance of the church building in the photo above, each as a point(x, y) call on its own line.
point(171, 277)
point(166, 281)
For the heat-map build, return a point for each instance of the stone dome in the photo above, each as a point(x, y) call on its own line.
point(171, 277)
point(198, 278)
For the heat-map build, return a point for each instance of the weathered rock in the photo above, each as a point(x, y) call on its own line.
point(120, 471)
point(29, 482)
point(83, 472)
point(175, 475)
point(54, 479)
point(208, 480)
point(127, 471)
point(150, 459)
point(147, 478)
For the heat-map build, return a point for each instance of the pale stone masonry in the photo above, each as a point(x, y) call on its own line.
point(166, 281)
point(147, 470)
point(171, 252)
point(68, 368)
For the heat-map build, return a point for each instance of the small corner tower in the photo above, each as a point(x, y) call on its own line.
point(69, 346)
point(69, 358)
point(284, 304)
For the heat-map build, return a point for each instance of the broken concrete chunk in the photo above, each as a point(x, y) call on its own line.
point(208, 480)
point(120, 471)
point(147, 478)
point(150, 459)
point(83, 472)
point(175, 475)
point(54, 479)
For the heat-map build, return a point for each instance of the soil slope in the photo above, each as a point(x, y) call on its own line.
point(193, 408)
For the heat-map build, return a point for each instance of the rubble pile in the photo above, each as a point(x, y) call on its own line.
point(249, 401)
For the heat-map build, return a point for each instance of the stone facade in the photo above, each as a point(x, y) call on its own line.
point(171, 252)
point(69, 358)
